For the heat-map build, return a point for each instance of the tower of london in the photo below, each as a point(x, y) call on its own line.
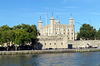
point(56, 35)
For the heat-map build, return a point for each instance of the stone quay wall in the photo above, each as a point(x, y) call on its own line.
point(46, 51)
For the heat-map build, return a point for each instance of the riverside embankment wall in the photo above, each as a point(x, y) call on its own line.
point(84, 43)
point(46, 51)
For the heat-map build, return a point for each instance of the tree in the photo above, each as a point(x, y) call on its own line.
point(27, 28)
point(7, 37)
point(87, 32)
point(20, 34)
point(21, 37)
point(5, 28)
point(98, 34)
point(16, 27)
point(33, 35)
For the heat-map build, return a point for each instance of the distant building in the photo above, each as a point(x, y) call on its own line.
point(56, 35)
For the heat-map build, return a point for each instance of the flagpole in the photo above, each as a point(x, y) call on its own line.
point(46, 18)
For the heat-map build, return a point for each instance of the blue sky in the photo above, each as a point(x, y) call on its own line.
point(15, 12)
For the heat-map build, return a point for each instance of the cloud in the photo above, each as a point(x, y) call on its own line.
point(29, 14)
point(62, 9)
point(95, 13)
point(40, 13)
point(75, 1)
point(72, 7)
point(61, 13)
point(64, 1)
point(53, 9)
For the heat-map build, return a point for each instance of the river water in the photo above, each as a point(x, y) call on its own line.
point(52, 59)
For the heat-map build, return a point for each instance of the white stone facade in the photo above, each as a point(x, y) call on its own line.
point(56, 35)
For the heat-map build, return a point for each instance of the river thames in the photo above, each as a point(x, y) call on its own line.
point(52, 59)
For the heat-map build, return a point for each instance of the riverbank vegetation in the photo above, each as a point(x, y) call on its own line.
point(87, 32)
point(18, 35)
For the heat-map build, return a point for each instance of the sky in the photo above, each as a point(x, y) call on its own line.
point(15, 12)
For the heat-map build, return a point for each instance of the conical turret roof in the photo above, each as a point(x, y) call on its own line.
point(70, 16)
point(52, 18)
point(40, 20)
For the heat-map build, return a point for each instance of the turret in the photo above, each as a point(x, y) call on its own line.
point(52, 20)
point(57, 21)
point(71, 20)
point(40, 23)
point(71, 29)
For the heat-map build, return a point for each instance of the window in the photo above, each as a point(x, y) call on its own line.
point(61, 43)
point(50, 43)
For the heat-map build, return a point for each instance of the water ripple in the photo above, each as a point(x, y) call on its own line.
point(56, 59)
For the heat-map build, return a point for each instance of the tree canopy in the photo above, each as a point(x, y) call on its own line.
point(98, 34)
point(19, 34)
point(87, 32)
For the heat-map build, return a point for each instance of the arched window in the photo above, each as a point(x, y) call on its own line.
point(61, 43)
point(50, 43)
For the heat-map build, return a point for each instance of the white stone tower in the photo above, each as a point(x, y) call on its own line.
point(71, 20)
point(52, 21)
point(71, 29)
point(40, 23)
point(57, 21)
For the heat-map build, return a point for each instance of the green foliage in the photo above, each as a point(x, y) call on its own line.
point(21, 37)
point(87, 32)
point(98, 34)
point(5, 28)
point(19, 34)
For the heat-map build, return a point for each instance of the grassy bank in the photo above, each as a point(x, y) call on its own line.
point(46, 51)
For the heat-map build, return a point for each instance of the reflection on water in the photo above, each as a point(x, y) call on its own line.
point(57, 59)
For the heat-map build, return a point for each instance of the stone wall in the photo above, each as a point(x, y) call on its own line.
point(63, 44)
point(85, 43)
